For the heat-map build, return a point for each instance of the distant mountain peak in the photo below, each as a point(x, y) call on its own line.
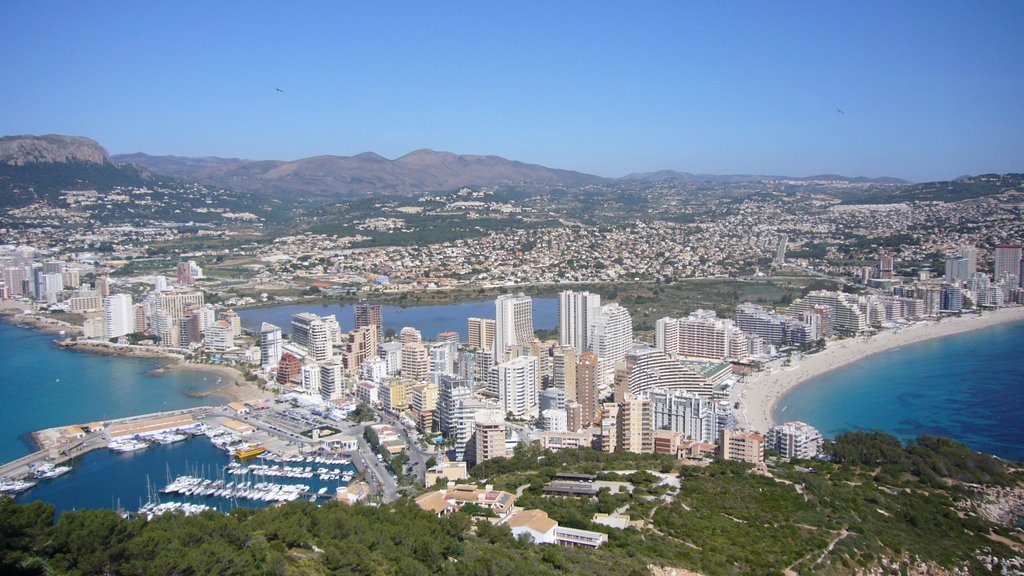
point(662, 175)
point(329, 178)
point(370, 156)
point(51, 149)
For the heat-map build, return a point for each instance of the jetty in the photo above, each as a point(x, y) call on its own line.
point(63, 443)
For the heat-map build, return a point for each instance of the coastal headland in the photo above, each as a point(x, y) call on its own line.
point(20, 314)
point(760, 392)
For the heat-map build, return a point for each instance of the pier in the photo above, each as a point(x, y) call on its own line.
point(57, 447)
point(275, 430)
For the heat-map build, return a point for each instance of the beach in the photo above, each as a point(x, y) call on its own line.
point(233, 386)
point(758, 393)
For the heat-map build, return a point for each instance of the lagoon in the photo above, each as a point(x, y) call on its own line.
point(430, 320)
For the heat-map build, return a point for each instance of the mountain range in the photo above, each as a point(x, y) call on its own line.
point(419, 171)
point(330, 177)
point(325, 179)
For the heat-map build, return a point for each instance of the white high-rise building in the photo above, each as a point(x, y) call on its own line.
point(51, 286)
point(513, 324)
point(554, 420)
point(119, 315)
point(576, 314)
point(650, 368)
point(332, 380)
point(957, 269)
point(391, 352)
point(310, 379)
point(219, 337)
point(515, 382)
point(971, 254)
point(176, 303)
point(271, 345)
point(464, 423)
point(847, 315)
point(313, 334)
point(701, 335)
point(794, 440)
point(690, 414)
point(451, 391)
point(611, 338)
point(442, 357)
point(374, 370)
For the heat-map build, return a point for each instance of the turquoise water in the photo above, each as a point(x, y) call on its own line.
point(429, 320)
point(969, 387)
point(105, 479)
point(45, 386)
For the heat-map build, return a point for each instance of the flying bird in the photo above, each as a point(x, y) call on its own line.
point(279, 90)
point(840, 110)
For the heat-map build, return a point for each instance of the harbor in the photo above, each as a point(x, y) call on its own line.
point(188, 461)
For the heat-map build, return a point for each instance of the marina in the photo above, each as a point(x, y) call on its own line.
point(181, 476)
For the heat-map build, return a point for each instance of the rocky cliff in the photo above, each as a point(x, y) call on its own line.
point(52, 148)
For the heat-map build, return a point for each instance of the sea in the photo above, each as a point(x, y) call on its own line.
point(967, 386)
point(46, 386)
point(125, 481)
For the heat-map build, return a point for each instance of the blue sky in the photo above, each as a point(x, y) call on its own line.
point(929, 90)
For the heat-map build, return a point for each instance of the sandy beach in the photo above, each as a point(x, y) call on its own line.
point(233, 385)
point(758, 393)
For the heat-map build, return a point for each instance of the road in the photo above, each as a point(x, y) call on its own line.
point(417, 456)
point(20, 467)
point(377, 473)
point(365, 459)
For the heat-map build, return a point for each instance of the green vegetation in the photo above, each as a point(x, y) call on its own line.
point(931, 459)
point(726, 518)
point(362, 413)
point(967, 188)
point(22, 185)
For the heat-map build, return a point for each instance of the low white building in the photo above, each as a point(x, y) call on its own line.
point(543, 530)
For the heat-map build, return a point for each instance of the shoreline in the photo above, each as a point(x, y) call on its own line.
point(236, 388)
point(759, 394)
point(20, 315)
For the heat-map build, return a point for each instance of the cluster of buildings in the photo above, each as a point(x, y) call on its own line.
point(962, 287)
point(592, 387)
point(530, 523)
point(964, 282)
point(172, 314)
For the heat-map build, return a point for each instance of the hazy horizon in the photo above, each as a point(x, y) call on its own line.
point(915, 91)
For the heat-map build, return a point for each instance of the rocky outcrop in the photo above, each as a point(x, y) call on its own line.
point(49, 149)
